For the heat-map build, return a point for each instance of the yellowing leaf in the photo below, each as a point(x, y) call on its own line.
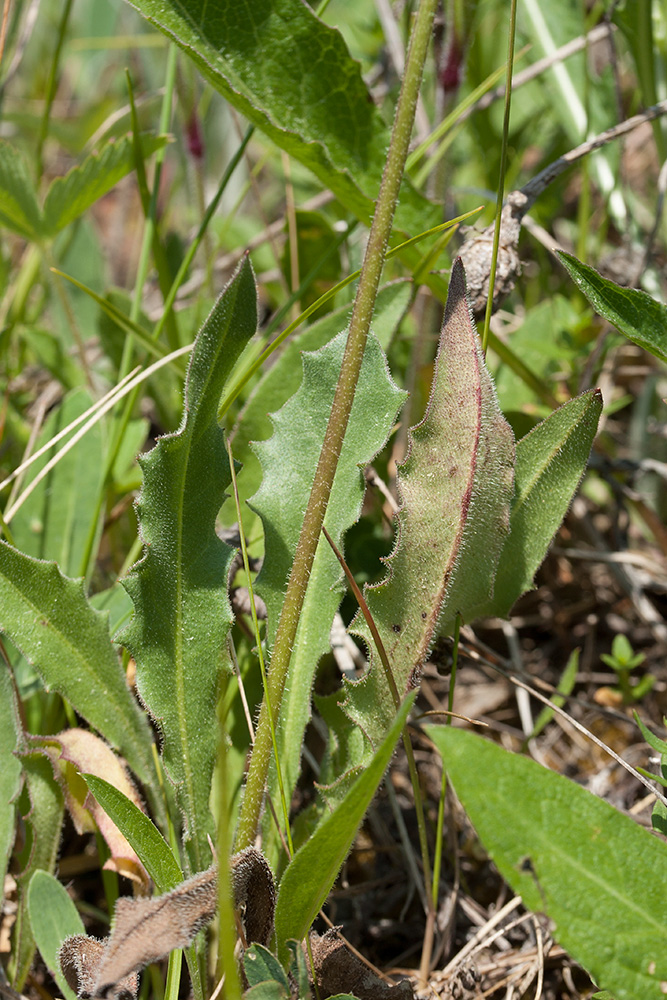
point(77, 750)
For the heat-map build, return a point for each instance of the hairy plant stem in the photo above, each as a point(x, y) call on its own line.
point(338, 419)
point(501, 174)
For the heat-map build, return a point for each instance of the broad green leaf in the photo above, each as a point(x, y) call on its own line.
point(47, 617)
point(55, 520)
point(312, 871)
point(596, 874)
point(43, 814)
point(53, 917)
point(455, 488)
point(289, 460)
point(11, 739)
point(550, 461)
point(292, 76)
point(639, 317)
point(19, 208)
point(179, 588)
point(261, 967)
point(141, 833)
point(68, 197)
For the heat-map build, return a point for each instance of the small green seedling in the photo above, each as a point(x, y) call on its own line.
point(623, 660)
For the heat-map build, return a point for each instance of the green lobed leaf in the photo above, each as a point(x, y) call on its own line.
point(19, 208)
point(550, 462)
point(11, 739)
point(53, 917)
point(638, 316)
point(140, 831)
point(179, 588)
point(289, 460)
point(44, 817)
point(292, 76)
point(598, 875)
point(47, 617)
point(68, 197)
point(55, 520)
point(312, 871)
point(280, 380)
point(455, 488)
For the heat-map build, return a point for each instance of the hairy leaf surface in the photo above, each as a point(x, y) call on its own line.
point(596, 873)
point(455, 487)
point(290, 457)
point(179, 588)
point(47, 617)
point(289, 460)
point(550, 461)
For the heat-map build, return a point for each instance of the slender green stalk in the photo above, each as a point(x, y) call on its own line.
point(437, 858)
point(52, 86)
point(501, 178)
point(260, 651)
point(391, 682)
point(338, 420)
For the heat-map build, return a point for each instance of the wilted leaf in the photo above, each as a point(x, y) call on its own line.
point(80, 957)
point(75, 751)
point(146, 930)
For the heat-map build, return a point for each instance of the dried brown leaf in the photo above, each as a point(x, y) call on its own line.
point(80, 958)
point(146, 930)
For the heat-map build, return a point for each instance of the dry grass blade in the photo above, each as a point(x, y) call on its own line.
point(111, 401)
